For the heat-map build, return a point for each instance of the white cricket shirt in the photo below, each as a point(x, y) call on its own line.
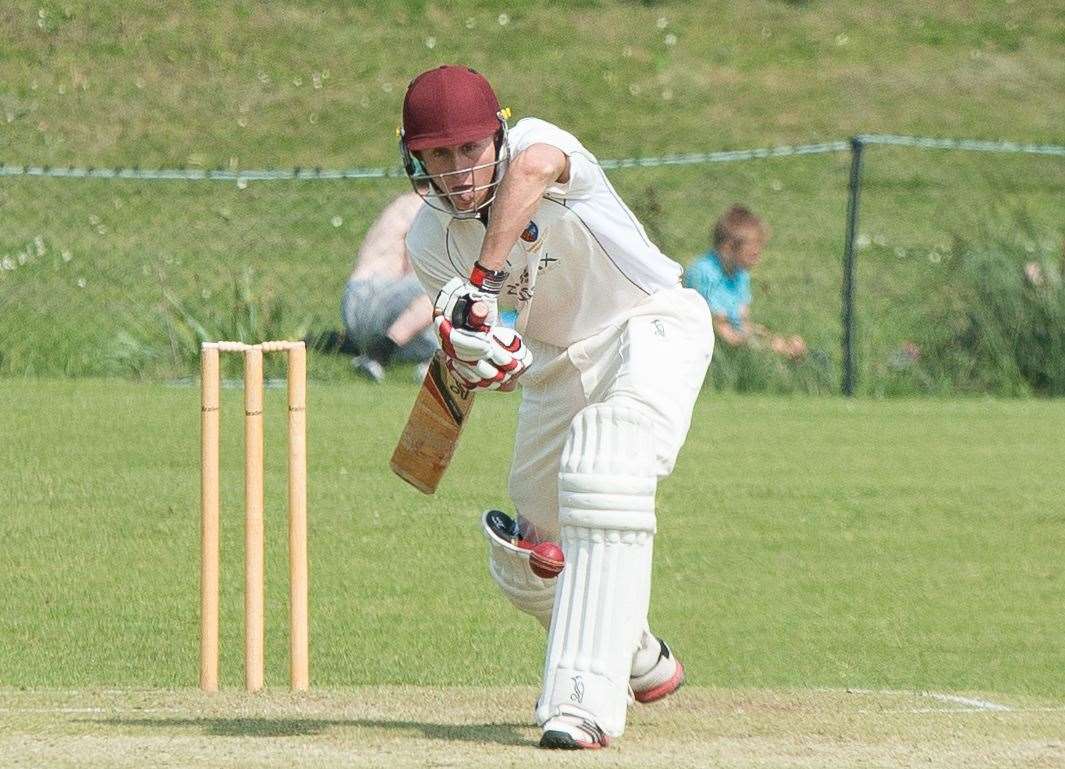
point(590, 260)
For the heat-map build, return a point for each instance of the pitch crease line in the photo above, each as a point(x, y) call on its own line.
point(969, 701)
point(955, 699)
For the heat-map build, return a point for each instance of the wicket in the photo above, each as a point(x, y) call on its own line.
point(254, 554)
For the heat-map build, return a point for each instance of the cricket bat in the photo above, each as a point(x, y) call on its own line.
point(432, 432)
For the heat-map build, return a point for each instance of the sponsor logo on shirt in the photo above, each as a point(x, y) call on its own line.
point(520, 288)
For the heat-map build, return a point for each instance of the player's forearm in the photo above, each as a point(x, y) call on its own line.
point(529, 176)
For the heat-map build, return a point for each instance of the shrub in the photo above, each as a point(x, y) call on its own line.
point(252, 314)
point(1001, 328)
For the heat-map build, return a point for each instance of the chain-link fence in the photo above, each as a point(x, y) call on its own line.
point(938, 219)
point(127, 276)
point(106, 272)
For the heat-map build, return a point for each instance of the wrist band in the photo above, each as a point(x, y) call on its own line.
point(490, 281)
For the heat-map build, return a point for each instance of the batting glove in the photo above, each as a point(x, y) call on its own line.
point(478, 353)
point(458, 295)
point(507, 359)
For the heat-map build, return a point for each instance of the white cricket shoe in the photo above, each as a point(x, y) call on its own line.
point(656, 672)
point(572, 732)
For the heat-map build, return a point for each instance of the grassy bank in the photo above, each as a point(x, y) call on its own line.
point(102, 277)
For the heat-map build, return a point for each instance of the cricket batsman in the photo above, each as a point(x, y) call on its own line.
point(611, 353)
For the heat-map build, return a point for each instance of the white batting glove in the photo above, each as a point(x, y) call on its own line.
point(509, 341)
point(507, 359)
point(478, 353)
point(458, 296)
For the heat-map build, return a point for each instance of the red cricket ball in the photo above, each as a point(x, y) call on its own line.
point(546, 560)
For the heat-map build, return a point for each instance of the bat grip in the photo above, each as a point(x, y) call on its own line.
point(476, 316)
point(470, 315)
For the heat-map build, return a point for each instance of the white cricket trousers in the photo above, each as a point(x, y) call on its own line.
point(654, 358)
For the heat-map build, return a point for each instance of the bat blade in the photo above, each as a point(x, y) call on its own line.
point(432, 431)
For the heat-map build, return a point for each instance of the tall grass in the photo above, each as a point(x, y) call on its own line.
point(253, 313)
point(1000, 328)
point(749, 370)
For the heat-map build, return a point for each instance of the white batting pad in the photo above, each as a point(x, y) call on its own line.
point(607, 516)
point(509, 567)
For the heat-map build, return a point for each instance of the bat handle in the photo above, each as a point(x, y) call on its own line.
point(476, 315)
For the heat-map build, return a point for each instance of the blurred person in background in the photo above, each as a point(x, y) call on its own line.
point(722, 276)
point(385, 311)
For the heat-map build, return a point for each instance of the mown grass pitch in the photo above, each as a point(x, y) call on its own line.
point(803, 544)
point(488, 727)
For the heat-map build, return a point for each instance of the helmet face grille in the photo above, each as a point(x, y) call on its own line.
point(431, 187)
point(444, 107)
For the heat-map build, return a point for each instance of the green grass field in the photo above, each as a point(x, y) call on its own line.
point(804, 544)
point(849, 583)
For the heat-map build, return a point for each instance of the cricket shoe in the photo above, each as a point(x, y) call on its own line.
point(654, 676)
point(572, 732)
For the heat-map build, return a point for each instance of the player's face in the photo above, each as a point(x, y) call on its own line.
point(463, 172)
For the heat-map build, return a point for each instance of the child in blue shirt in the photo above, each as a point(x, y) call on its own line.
point(722, 276)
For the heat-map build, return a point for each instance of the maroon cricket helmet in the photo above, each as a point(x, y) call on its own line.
point(448, 105)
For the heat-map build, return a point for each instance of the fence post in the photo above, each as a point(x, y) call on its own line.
point(853, 197)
